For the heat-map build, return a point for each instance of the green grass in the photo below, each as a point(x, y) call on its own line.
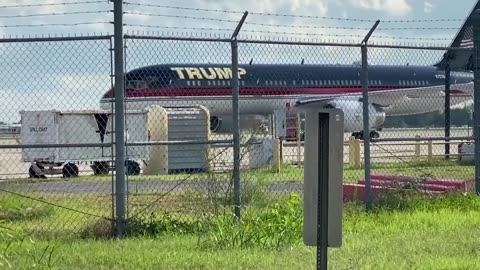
point(292, 173)
point(434, 233)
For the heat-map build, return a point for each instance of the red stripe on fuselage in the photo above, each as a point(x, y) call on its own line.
point(190, 92)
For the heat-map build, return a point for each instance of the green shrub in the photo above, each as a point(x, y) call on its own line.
point(279, 224)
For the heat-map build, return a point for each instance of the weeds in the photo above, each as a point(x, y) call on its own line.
point(17, 210)
point(40, 257)
point(277, 225)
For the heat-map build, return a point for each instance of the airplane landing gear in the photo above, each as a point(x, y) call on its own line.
point(359, 135)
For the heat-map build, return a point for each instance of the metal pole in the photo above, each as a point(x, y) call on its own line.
point(366, 118)
point(447, 107)
point(119, 118)
point(476, 96)
point(237, 200)
point(322, 192)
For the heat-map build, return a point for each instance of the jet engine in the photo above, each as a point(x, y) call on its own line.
point(353, 115)
point(215, 123)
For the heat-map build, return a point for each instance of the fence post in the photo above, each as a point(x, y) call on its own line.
point(299, 140)
point(277, 144)
point(354, 152)
point(430, 150)
point(119, 119)
point(237, 201)
point(476, 95)
point(366, 118)
point(417, 147)
point(447, 106)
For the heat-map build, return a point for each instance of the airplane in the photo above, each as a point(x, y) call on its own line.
point(263, 88)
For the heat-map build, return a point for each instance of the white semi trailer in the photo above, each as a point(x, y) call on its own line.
point(45, 129)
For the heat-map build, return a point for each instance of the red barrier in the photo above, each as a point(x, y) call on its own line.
point(381, 183)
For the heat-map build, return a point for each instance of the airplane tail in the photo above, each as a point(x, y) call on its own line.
point(461, 60)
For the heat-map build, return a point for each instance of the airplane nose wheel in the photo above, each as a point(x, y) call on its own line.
point(359, 135)
point(374, 135)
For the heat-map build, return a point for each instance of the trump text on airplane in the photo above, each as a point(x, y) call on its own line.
point(211, 73)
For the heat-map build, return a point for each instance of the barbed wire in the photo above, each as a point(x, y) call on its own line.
point(286, 25)
point(279, 32)
point(55, 14)
point(293, 15)
point(348, 28)
point(54, 4)
point(52, 24)
point(180, 17)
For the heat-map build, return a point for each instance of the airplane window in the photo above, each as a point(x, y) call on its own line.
point(276, 83)
point(136, 84)
point(303, 82)
point(188, 83)
point(199, 83)
point(294, 82)
point(316, 82)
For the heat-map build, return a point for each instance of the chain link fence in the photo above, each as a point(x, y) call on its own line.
point(58, 172)
point(51, 88)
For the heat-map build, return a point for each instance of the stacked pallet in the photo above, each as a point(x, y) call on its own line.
point(382, 183)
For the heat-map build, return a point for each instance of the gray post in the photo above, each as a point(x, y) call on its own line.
point(476, 96)
point(119, 118)
point(237, 200)
point(447, 107)
point(366, 119)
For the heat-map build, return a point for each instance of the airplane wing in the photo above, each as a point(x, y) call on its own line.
point(421, 99)
point(402, 101)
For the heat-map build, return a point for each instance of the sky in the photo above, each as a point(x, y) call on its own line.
point(136, 10)
point(74, 75)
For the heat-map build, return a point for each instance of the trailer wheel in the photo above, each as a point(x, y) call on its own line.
point(133, 168)
point(70, 170)
point(33, 174)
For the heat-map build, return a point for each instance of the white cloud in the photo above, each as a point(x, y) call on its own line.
point(427, 7)
point(63, 94)
point(392, 7)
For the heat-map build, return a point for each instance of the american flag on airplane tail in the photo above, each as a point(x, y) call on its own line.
point(467, 41)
